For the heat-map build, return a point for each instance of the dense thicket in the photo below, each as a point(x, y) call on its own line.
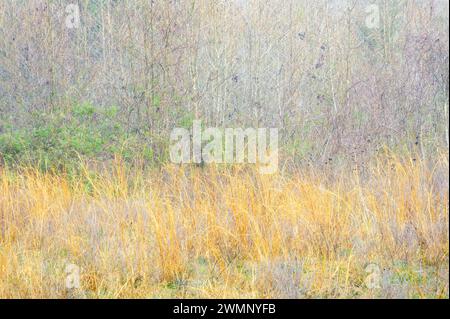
point(337, 84)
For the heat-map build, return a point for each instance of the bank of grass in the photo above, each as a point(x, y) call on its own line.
point(216, 232)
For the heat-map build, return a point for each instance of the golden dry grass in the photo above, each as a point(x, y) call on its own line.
point(227, 232)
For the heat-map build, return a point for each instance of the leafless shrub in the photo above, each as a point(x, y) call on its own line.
point(337, 88)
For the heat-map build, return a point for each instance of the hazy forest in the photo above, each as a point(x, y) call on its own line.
point(92, 206)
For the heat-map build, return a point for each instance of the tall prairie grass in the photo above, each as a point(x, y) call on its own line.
point(219, 232)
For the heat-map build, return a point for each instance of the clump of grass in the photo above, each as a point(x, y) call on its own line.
point(227, 232)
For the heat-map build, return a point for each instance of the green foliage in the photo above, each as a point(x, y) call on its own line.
point(186, 120)
point(60, 140)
